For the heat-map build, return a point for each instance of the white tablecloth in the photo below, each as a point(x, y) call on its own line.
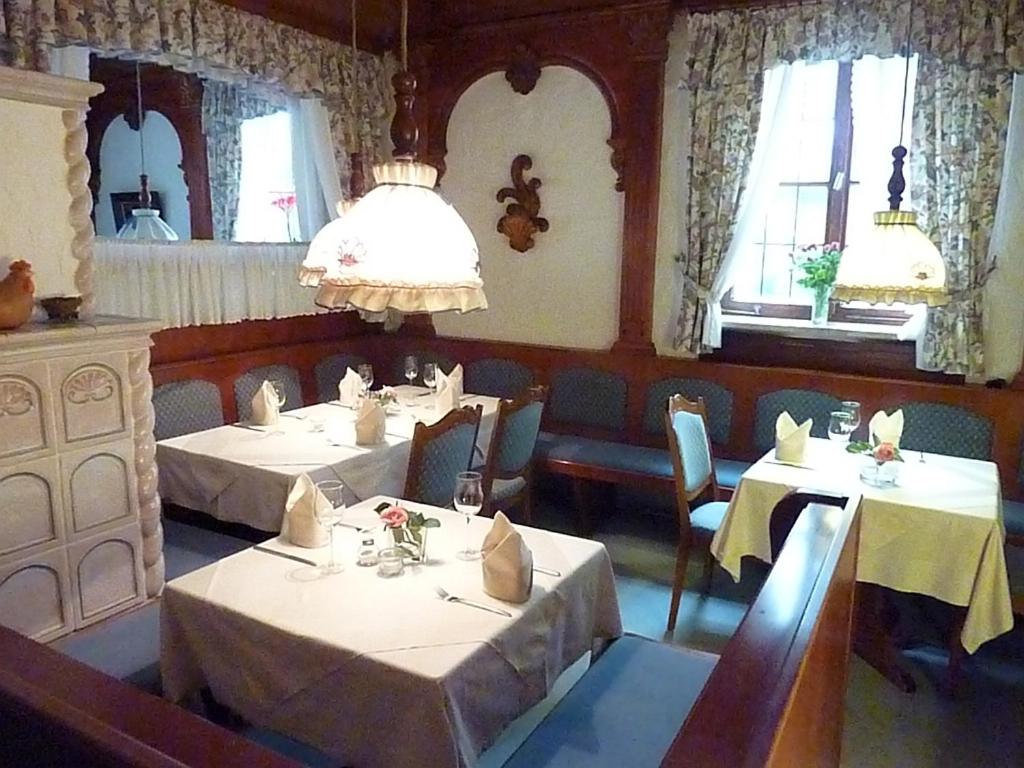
point(939, 532)
point(381, 672)
point(241, 474)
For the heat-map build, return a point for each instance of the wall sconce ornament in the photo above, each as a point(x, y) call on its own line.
point(521, 222)
point(523, 70)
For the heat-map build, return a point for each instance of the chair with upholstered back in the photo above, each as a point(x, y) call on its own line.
point(438, 453)
point(507, 473)
point(498, 378)
point(802, 404)
point(249, 382)
point(186, 406)
point(330, 371)
point(693, 466)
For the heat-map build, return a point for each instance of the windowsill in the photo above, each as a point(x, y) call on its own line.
point(804, 329)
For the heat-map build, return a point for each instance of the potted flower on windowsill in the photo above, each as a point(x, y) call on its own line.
point(408, 529)
point(819, 264)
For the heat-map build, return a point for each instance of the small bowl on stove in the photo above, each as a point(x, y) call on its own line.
point(61, 309)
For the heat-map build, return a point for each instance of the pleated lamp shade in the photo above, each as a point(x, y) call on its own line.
point(146, 224)
point(401, 246)
point(895, 262)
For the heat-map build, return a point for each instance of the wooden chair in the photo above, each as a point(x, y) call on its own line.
point(508, 471)
point(438, 453)
point(693, 465)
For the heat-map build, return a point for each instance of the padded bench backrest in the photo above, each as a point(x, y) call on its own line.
point(186, 406)
point(802, 404)
point(498, 377)
point(717, 400)
point(329, 371)
point(947, 429)
point(588, 397)
point(249, 382)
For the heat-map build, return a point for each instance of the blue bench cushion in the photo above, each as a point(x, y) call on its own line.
point(249, 383)
point(1013, 517)
point(301, 753)
point(946, 429)
point(802, 404)
point(625, 458)
point(717, 400)
point(589, 397)
point(184, 407)
point(498, 378)
point(330, 371)
point(625, 711)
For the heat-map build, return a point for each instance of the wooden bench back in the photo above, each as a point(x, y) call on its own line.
point(776, 696)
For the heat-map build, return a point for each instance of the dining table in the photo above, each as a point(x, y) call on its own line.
point(938, 531)
point(379, 671)
point(243, 472)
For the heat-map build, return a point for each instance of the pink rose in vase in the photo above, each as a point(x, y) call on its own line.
point(394, 517)
point(884, 452)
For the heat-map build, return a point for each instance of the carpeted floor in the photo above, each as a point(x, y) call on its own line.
point(984, 726)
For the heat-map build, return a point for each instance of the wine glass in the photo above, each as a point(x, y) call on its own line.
point(430, 377)
point(366, 374)
point(329, 515)
point(279, 393)
point(469, 498)
point(839, 428)
point(852, 407)
point(411, 368)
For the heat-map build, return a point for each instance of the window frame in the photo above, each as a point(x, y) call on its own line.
point(837, 210)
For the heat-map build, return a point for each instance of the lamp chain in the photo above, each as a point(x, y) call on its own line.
point(144, 196)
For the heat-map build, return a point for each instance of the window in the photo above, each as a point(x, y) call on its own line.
point(266, 197)
point(845, 122)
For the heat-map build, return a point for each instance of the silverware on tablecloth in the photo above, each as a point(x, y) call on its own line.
point(360, 528)
point(425, 394)
point(250, 428)
point(450, 598)
point(299, 416)
point(788, 464)
point(548, 571)
point(285, 555)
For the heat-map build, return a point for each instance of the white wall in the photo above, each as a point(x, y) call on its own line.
point(119, 171)
point(565, 290)
point(34, 196)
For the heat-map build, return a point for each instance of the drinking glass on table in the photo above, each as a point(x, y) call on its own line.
point(430, 377)
point(469, 498)
point(412, 368)
point(839, 428)
point(334, 492)
point(366, 374)
point(852, 407)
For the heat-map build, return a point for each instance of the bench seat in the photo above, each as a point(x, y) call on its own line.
point(624, 459)
point(1013, 518)
point(625, 711)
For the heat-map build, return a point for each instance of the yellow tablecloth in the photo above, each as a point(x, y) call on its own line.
point(939, 532)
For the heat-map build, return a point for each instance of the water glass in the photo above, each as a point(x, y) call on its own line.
point(839, 428)
point(429, 374)
point(366, 374)
point(469, 498)
point(412, 368)
point(852, 407)
point(391, 562)
point(329, 515)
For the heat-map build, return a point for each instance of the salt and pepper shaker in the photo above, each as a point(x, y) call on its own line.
point(367, 552)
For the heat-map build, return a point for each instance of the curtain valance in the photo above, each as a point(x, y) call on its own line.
point(978, 34)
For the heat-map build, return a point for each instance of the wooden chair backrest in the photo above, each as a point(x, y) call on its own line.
point(506, 409)
point(677, 404)
point(776, 696)
point(424, 434)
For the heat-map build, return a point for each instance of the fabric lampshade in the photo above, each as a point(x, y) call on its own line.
point(400, 247)
point(895, 262)
point(146, 224)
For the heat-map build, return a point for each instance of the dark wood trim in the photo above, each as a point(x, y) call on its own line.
point(776, 695)
point(178, 96)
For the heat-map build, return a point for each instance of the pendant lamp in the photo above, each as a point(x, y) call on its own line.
point(895, 261)
point(401, 246)
point(145, 222)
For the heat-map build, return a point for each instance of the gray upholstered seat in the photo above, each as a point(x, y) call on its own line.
point(589, 397)
point(625, 710)
point(330, 371)
point(186, 406)
point(717, 400)
point(498, 377)
point(802, 404)
point(249, 382)
point(946, 429)
point(505, 489)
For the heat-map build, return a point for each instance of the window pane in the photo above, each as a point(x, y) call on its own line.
point(266, 202)
point(812, 209)
point(811, 146)
point(876, 99)
point(781, 218)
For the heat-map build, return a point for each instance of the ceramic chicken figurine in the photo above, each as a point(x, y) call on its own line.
point(16, 292)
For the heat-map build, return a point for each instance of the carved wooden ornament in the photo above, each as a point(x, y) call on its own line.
point(523, 70)
point(521, 222)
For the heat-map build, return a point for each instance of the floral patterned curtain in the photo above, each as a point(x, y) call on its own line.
point(205, 36)
point(726, 80)
point(225, 107)
point(961, 117)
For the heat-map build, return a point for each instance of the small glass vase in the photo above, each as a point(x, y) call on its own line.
point(880, 474)
point(412, 541)
point(819, 309)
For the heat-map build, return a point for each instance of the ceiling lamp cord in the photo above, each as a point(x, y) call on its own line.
point(357, 178)
point(897, 183)
point(145, 199)
point(404, 133)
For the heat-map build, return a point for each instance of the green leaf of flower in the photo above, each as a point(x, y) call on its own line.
point(431, 522)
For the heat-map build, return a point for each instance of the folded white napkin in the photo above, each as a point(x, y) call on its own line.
point(350, 388)
point(265, 407)
point(300, 525)
point(790, 439)
point(507, 562)
point(886, 428)
point(370, 424)
point(447, 393)
point(456, 379)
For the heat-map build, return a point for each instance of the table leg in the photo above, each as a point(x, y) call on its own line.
point(874, 621)
point(957, 652)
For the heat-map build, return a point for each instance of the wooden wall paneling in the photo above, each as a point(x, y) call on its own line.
point(178, 96)
point(622, 49)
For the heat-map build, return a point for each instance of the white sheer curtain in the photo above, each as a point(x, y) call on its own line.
point(317, 176)
point(780, 116)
